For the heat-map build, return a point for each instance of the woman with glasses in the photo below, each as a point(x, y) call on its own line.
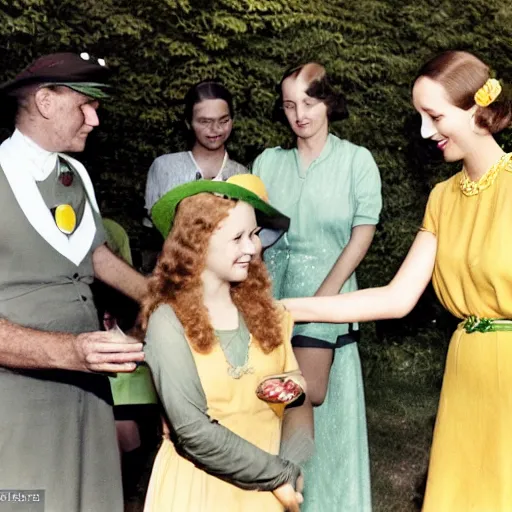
point(209, 121)
point(330, 188)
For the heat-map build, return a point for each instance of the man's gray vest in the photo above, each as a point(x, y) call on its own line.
point(56, 427)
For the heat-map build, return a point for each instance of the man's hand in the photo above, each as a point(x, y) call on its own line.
point(110, 352)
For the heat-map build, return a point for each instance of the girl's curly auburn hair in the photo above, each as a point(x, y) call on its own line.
point(176, 279)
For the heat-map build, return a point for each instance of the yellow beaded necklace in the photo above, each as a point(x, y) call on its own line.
point(472, 188)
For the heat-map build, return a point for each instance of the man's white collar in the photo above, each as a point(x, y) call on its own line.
point(40, 162)
point(24, 163)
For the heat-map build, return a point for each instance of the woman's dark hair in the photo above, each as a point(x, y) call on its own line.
point(319, 87)
point(462, 74)
point(206, 90)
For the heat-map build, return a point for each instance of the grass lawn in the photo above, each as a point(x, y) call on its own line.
point(401, 417)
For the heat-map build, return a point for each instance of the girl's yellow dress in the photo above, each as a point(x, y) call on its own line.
point(177, 485)
point(471, 460)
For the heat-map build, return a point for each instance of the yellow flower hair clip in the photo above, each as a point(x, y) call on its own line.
point(488, 92)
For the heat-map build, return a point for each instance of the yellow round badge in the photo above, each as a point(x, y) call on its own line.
point(65, 218)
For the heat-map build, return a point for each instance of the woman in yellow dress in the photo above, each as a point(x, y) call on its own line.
point(464, 245)
point(213, 335)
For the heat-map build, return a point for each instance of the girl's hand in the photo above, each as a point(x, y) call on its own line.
point(288, 497)
point(300, 484)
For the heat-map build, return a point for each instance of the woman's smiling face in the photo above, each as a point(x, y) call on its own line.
point(442, 121)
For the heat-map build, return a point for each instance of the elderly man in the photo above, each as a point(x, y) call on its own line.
point(56, 424)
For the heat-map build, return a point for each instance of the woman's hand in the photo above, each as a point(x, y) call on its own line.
point(288, 497)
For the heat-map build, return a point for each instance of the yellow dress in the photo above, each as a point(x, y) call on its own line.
point(471, 459)
point(176, 484)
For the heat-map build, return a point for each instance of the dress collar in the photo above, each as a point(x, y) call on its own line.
point(326, 151)
point(471, 188)
point(218, 177)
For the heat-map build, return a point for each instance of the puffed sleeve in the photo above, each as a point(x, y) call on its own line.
point(261, 163)
point(153, 187)
point(367, 189)
point(431, 216)
point(255, 167)
point(197, 437)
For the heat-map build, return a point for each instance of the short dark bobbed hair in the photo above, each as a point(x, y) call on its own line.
point(206, 90)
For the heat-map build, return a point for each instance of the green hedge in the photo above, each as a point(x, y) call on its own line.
point(158, 48)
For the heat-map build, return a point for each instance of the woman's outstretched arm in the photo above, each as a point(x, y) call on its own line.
point(394, 300)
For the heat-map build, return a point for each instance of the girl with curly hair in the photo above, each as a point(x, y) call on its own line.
point(213, 335)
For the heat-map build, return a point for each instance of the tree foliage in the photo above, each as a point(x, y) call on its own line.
point(159, 48)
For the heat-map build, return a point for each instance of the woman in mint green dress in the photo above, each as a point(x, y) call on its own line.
point(330, 188)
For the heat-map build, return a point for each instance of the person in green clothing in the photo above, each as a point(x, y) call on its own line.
point(331, 190)
point(135, 400)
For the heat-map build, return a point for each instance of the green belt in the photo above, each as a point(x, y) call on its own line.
point(475, 324)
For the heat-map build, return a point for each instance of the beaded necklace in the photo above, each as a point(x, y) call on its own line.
point(472, 188)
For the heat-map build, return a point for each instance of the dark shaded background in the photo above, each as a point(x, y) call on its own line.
point(372, 49)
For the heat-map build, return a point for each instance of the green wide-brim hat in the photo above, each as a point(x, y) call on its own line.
point(242, 187)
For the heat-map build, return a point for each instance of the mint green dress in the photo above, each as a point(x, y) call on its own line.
point(340, 189)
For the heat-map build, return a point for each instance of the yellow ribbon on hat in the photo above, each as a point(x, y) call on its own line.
point(250, 182)
point(488, 92)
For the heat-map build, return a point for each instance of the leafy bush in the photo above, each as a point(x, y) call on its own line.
point(371, 48)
